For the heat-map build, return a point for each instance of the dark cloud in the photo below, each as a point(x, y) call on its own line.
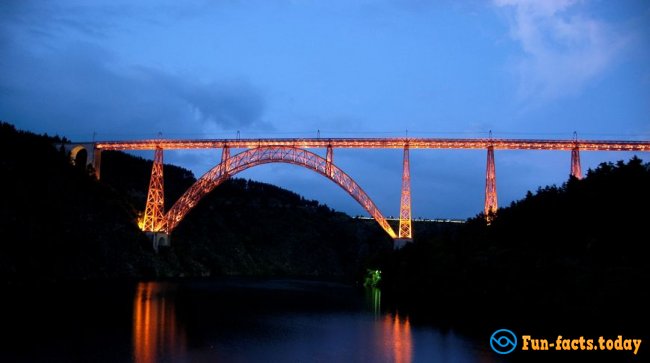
point(231, 104)
point(81, 87)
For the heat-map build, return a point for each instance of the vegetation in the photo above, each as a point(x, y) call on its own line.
point(250, 228)
point(576, 251)
point(373, 277)
point(59, 223)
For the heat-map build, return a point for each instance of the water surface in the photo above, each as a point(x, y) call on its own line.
point(234, 320)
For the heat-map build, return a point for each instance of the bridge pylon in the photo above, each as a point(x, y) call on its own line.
point(154, 222)
point(328, 160)
point(405, 233)
point(491, 204)
point(576, 170)
point(225, 158)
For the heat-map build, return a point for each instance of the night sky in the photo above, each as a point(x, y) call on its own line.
point(207, 69)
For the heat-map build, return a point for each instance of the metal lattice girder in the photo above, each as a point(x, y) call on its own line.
point(264, 155)
point(576, 170)
point(225, 157)
point(490, 186)
point(154, 219)
point(405, 200)
point(329, 158)
point(381, 143)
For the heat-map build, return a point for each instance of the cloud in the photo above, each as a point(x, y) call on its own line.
point(60, 75)
point(564, 50)
point(80, 87)
point(229, 104)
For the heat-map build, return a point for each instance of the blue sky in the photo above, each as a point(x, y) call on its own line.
point(523, 69)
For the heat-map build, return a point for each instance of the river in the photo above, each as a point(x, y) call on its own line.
point(230, 320)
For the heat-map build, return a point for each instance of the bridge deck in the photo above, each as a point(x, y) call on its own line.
point(379, 143)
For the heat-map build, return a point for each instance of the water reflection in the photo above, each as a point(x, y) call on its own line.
point(156, 333)
point(395, 338)
point(392, 331)
point(373, 298)
point(226, 321)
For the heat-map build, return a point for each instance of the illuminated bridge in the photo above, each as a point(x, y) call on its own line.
point(160, 223)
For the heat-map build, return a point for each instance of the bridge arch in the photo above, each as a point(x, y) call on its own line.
point(79, 156)
point(264, 155)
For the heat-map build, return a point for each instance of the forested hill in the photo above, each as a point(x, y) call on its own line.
point(58, 223)
point(578, 251)
point(245, 227)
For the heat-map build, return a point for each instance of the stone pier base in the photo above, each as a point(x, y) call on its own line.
point(398, 243)
point(159, 239)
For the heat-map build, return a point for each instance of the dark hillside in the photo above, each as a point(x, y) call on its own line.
point(58, 222)
point(129, 175)
point(576, 251)
point(250, 228)
point(256, 228)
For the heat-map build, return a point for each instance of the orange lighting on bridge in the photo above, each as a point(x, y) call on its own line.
point(405, 200)
point(292, 151)
point(491, 203)
point(154, 220)
point(278, 154)
point(380, 143)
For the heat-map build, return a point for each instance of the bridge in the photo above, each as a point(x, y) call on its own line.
point(159, 224)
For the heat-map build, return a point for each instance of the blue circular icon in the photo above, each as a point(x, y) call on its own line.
point(503, 341)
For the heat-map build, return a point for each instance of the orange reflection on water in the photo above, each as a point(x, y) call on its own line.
point(156, 333)
point(396, 338)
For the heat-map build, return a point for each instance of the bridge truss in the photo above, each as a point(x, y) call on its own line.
point(230, 166)
point(292, 151)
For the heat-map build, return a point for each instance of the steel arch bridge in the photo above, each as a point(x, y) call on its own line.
point(159, 224)
point(230, 166)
